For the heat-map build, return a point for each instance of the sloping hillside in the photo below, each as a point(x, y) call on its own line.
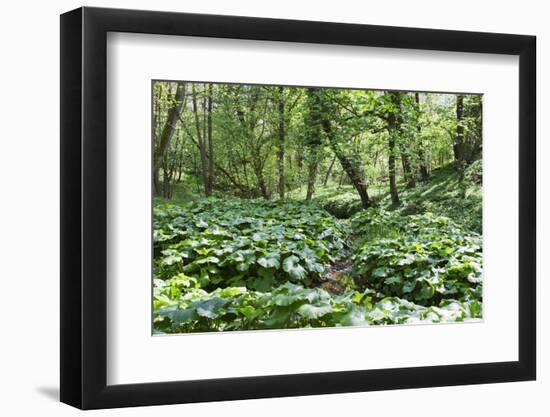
point(448, 192)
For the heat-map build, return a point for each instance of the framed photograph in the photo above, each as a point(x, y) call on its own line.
point(259, 208)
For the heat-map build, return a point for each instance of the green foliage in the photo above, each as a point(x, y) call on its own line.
point(256, 243)
point(307, 254)
point(473, 174)
point(340, 201)
point(448, 193)
point(421, 258)
point(180, 307)
point(342, 206)
point(241, 265)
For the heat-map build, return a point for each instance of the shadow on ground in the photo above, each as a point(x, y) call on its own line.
point(50, 392)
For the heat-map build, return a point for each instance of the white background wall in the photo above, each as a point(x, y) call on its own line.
point(29, 225)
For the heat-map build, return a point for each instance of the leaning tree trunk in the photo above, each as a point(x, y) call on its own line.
point(329, 171)
point(168, 131)
point(354, 173)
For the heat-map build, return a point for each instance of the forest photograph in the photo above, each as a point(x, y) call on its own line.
point(281, 207)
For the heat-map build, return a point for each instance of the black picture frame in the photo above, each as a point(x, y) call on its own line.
point(84, 207)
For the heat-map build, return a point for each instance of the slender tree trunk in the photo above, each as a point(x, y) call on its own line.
point(393, 130)
point(258, 171)
point(476, 150)
point(458, 146)
point(353, 170)
point(313, 123)
point(165, 178)
point(407, 171)
point(354, 173)
point(156, 127)
point(311, 176)
point(392, 124)
point(421, 154)
point(245, 190)
point(210, 180)
point(281, 148)
point(201, 142)
point(424, 171)
point(168, 131)
point(156, 184)
point(329, 171)
point(341, 179)
point(299, 160)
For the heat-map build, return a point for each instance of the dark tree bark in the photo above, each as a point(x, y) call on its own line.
point(407, 170)
point(458, 146)
point(476, 111)
point(167, 132)
point(167, 177)
point(354, 172)
point(156, 179)
point(281, 144)
point(391, 166)
point(393, 132)
point(259, 172)
point(329, 171)
point(311, 176)
point(341, 179)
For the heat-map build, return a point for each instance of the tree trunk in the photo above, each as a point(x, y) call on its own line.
point(353, 172)
point(258, 170)
point(341, 179)
point(281, 148)
point(476, 150)
point(329, 171)
point(424, 172)
point(458, 146)
point(165, 178)
point(407, 171)
point(156, 184)
point(421, 155)
point(311, 176)
point(392, 124)
point(313, 123)
point(210, 180)
point(168, 132)
point(201, 142)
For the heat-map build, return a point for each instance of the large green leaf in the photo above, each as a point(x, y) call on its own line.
point(271, 260)
point(310, 311)
point(211, 308)
point(291, 264)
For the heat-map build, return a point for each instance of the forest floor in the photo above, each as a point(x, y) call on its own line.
point(446, 192)
point(231, 264)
